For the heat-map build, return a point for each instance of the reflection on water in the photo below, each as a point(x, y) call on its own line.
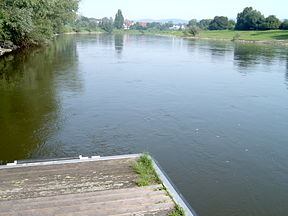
point(119, 44)
point(29, 105)
point(214, 114)
point(249, 55)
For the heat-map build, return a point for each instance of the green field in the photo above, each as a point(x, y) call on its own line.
point(248, 35)
point(272, 35)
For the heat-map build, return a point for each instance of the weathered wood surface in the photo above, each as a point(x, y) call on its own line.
point(88, 188)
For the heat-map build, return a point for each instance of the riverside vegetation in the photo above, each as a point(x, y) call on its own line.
point(32, 22)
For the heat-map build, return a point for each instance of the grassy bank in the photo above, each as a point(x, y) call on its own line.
point(247, 35)
point(273, 35)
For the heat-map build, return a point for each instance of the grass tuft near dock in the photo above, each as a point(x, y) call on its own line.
point(144, 168)
point(148, 176)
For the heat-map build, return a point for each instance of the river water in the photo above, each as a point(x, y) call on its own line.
point(214, 114)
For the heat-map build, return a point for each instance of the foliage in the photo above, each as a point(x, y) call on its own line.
point(231, 24)
point(138, 26)
point(193, 30)
point(204, 24)
point(236, 36)
point(271, 22)
point(249, 19)
point(284, 25)
point(81, 24)
point(107, 25)
point(119, 20)
point(219, 23)
point(26, 22)
point(145, 169)
point(192, 22)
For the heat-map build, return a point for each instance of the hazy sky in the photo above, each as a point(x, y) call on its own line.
point(182, 9)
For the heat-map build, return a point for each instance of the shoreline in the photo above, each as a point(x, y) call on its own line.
point(282, 43)
point(275, 43)
point(74, 33)
point(5, 51)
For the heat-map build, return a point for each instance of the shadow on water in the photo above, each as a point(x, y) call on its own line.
point(29, 102)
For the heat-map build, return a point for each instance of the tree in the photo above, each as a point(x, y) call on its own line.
point(192, 22)
point(25, 22)
point(107, 25)
point(119, 20)
point(193, 30)
point(219, 23)
point(284, 25)
point(231, 24)
point(249, 19)
point(204, 24)
point(271, 22)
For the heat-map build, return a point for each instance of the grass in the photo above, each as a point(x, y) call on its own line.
point(272, 35)
point(144, 168)
point(177, 212)
point(247, 35)
point(148, 176)
point(17, 182)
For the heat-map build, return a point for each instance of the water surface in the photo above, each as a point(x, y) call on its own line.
point(214, 114)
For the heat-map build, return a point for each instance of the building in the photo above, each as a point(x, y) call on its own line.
point(127, 24)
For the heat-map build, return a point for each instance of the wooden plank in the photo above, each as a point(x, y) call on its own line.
point(94, 187)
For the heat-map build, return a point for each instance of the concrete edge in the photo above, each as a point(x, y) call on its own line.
point(68, 161)
point(174, 192)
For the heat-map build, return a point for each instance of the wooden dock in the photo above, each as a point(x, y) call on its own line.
point(86, 186)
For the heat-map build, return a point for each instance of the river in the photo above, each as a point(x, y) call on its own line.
point(214, 114)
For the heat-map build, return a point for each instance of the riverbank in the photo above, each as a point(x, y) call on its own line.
point(74, 33)
point(274, 37)
point(5, 49)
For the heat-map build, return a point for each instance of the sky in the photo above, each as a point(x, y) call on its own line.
point(180, 9)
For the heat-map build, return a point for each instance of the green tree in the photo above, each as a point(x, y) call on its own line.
point(284, 25)
point(107, 25)
point(231, 24)
point(204, 23)
point(249, 19)
point(219, 23)
point(119, 20)
point(271, 22)
point(192, 22)
point(26, 22)
point(193, 30)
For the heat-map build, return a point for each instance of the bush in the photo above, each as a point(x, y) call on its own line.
point(193, 30)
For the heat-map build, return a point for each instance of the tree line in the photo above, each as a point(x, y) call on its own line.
point(26, 22)
point(248, 19)
point(108, 24)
